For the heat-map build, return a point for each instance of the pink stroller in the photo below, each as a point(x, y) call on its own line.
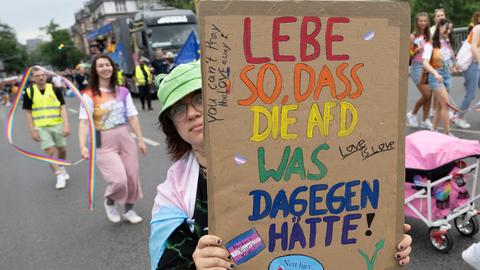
point(436, 184)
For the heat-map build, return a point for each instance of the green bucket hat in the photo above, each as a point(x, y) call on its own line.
point(183, 80)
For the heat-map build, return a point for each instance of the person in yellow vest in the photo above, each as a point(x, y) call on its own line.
point(143, 78)
point(120, 78)
point(47, 120)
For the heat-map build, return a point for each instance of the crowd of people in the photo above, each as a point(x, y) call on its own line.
point(432, 61)
point(78, 75)
point(8, 89)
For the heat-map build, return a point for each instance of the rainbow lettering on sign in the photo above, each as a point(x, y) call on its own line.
point(287, 88)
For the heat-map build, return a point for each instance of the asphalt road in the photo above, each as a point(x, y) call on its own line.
point(42, 228)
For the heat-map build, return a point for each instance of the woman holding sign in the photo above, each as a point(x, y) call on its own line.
point(437, 56)
point(179, 230)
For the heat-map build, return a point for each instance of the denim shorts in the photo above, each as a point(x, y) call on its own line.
point(447, 79)
point(416, 69)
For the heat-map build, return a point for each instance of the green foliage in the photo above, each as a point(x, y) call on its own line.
point(13, 54)
point(459, 11)
point(60, 52)
point(50, 28)
point(184, 4)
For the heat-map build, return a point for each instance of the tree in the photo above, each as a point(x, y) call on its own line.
point(458, 11)
point(185, 4)
point(13, 54)
point(61, 51)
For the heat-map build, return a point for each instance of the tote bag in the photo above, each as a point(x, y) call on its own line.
point(464, 56)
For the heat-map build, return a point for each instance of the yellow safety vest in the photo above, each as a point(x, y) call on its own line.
point(46, 107)
point(139, 78)
point(120, 80)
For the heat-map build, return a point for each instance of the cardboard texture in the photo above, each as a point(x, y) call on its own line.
point(304, 115)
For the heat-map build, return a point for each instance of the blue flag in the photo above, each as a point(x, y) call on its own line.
point(189, 51)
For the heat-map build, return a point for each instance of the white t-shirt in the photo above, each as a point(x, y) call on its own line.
point(445, 50)
point(58, 82)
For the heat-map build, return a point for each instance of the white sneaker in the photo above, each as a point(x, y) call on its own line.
point(427, 124)
point(462, 123)
point(412, 119)
point(451, 115)
point(132, 217)
point(471, 255)
point(112, 213)
point(65, 173)
point(451, 135)
point(61, 183)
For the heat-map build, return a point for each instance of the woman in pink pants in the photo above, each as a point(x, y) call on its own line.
point(117, 159)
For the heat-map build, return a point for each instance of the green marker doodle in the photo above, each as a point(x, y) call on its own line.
point(371, 262)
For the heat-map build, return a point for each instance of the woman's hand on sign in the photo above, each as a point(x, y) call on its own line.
point(35, 135)
point(84, 152)
point(404, 247)
point(209, 254)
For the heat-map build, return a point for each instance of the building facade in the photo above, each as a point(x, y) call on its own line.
point(83, 25)
point(97, 13)
point(32, 44)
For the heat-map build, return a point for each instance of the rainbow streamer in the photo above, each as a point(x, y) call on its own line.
point(11, 120)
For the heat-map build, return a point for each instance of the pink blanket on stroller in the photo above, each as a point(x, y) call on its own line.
point(427, 150)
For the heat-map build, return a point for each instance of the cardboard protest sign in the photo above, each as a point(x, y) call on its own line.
point(304, 114)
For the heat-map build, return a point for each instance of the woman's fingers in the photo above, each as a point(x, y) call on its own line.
point(403, 257)
point(213, 262)
point(406, 228)
point(213, 251)
point(210, 255)
point(209, 240)
point(404, 253)
point(406, 242)
point(404, 261)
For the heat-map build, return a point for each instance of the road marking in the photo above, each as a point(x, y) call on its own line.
point(453, 129)
point(147, 140)
point(72, 110)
